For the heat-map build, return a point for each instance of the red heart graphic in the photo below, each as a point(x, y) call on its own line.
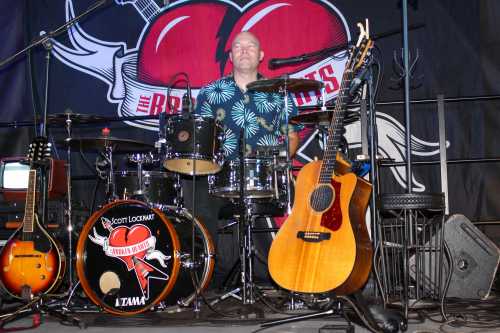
point(195, 37)
point(125, 236)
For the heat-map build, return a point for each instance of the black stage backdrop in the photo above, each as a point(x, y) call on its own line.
point(117, 63)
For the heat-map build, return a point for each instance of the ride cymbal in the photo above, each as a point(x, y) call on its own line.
point(101, 143)
point(279, 84)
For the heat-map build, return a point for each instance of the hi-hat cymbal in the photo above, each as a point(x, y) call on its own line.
point(62, 118)
point(322, 118)
point(100, 143)
point(291, 84)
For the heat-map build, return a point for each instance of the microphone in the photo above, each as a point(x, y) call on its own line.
point(276, 62)
point(187, 105)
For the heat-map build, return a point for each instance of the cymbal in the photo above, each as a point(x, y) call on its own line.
point(292, 85)
point(79, 118)
point(100, 143)
point(322, 118)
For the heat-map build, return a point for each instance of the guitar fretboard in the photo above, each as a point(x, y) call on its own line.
point(335, 129)
point(29, 210)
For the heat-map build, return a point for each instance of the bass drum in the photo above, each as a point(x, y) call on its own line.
point(127, 257)
point(183, 292)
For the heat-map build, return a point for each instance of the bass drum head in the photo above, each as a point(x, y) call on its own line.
point(127, 257)
point(196, 272)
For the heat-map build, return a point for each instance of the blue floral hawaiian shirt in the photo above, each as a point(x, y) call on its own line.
point(260, 113)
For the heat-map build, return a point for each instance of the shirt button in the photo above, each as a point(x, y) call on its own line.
point(246, 99)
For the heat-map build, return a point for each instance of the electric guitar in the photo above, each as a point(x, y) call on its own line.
point(32, 262)
point(324, 245)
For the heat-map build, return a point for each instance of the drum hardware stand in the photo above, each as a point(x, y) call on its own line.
point(283, 90)
point(45, 41)
point(69, 212)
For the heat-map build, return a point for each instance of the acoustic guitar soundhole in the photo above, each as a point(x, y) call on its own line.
point(322, 197)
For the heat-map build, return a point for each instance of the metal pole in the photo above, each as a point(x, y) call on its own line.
point(407, 95)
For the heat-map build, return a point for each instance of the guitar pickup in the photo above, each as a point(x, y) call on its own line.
point(313, 237)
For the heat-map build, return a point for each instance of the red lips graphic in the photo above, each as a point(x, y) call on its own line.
point(195, 37)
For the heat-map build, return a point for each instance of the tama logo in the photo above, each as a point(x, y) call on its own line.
point(130, 301)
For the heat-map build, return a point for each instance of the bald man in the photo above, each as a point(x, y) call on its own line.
point(261, 116)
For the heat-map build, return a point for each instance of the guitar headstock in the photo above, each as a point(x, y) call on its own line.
point(360, 52)
point(39, 151)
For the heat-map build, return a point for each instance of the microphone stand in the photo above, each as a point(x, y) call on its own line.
point(324, 52)
point(45, 41)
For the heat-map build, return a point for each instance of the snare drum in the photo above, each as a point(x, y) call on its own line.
point(193, 140)
point(130, 257)
point(262, 179)
point(159, 189)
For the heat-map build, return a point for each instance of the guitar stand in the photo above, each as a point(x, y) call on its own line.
point(38, 308)
point(337, 308)
point(292, 319)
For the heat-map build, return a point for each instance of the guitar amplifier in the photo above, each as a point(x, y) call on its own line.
point(11, 217)
point(14, 178)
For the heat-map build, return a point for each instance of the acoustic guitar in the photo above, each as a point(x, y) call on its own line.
point(324, 245)
point(32, 262)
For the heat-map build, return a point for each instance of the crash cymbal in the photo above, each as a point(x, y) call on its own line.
point(322, 117)
point(78, 118)
point(292, 85)
point(100, 144)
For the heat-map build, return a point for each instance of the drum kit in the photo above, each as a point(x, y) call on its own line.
point(143, 248)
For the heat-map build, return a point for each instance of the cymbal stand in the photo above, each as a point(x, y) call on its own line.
point(110, 179)
point(245, 232)
point(69, 212)
point(138, 159)
point(284, 91)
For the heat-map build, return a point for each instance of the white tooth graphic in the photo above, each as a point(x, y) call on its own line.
point(391, 144)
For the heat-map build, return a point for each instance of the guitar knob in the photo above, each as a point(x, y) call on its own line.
point(38, 265)
point(43, 277)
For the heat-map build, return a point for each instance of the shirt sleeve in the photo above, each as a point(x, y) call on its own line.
point(203, 107)
point(293, 111)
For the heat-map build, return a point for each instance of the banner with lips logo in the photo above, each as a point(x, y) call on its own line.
point(194, 38)
point(186, 37)
point(118, 60)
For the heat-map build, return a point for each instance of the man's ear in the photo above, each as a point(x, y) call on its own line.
point(231, 56)
point(261, 56)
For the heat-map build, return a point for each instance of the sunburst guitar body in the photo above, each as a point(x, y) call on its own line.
point(37, 264)
point(32, 262)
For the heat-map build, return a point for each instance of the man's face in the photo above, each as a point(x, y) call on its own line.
point(245, 52)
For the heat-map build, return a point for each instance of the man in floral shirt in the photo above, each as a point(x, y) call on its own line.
point(261, 114)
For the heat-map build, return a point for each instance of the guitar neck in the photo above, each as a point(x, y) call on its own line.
point(147, 8)
point(335, 130)
point(29, 209)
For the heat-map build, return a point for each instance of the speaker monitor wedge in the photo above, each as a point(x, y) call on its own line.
point(475, 260)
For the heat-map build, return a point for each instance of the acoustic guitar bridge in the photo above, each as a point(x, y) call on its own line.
point(313, 237)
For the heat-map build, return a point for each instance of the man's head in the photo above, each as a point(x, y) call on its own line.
point(245, 52)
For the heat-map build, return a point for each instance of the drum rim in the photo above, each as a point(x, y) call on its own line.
point(170, 174)
point(80, 257)
point(210, 248)
point(189, 156)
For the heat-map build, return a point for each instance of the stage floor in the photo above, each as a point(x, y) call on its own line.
point(229, 315)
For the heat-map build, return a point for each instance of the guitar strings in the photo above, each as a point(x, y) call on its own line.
point(326, 171)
